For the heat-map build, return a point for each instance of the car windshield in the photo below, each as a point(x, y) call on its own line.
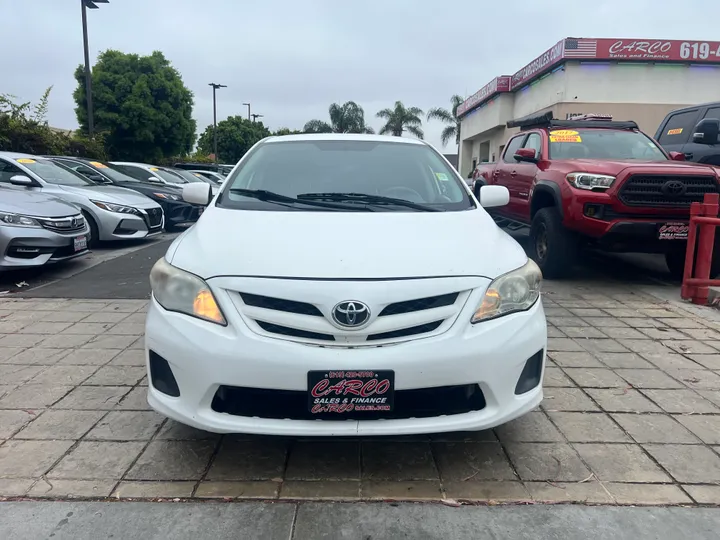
point(111, 172)
point(603, 144)
point(168, 176)
point(188, 176)
point(53, 173)
point(329, 169)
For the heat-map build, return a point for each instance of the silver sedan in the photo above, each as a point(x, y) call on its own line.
point(112, 213)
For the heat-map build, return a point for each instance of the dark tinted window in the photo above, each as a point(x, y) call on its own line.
point(135, 172)
point(713, 112)
point(8, 170)
point(535, 142)
point(678, 127)
point(512, 147)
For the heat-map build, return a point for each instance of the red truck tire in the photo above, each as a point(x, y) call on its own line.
point(552, 246)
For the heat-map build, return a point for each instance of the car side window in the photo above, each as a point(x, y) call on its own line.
point(534, 142)
point(134, 172)
point(713, 112)
point(512, 147)
point(678, 128)
point(8, 170)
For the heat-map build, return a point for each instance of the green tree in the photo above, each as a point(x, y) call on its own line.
point(346, 118)
point(287, 131)
point(400, 119)
point(235, 137)
point(452, 130)
point(141, 104)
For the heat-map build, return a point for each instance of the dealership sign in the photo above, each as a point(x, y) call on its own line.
point(546, 60)
point(497, 85)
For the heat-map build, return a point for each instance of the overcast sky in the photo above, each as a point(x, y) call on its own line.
point(292, 58)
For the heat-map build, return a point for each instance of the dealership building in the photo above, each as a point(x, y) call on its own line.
point(630, 79)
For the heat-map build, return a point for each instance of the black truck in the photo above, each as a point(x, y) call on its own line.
point(694, 132)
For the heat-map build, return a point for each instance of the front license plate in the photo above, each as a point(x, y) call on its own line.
point(80, 243)
point(673, 231)
point(339, 393)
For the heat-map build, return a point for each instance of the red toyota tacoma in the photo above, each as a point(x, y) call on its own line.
point(599, 183)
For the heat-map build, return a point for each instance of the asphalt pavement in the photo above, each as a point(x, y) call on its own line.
point(338, 521)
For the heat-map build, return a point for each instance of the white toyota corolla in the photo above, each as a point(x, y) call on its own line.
point(328, 290)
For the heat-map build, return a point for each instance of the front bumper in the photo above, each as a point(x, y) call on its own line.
point(117, 226)
point(22, 247)
point(205, 356)
point(177, 213)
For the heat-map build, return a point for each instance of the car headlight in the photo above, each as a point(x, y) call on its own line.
point(512, 292)
point(17, 220)
point(590, 181)
point(167, 196)
point(181, 291)
point(117, 208)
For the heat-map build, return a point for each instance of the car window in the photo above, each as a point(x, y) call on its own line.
point(108, 170)
point(603, 144)
point(405, 171)
point(713, 112)
point(535, 142)
point(53, 173)
point(138, 173)
point(512, 146)
point(678, 127)
point(167, 175)
point(8, 170)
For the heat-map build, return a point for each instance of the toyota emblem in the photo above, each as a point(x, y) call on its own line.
point(674, 188)
point(351, 314)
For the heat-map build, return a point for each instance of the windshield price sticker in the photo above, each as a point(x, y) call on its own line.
point(98, 165)
point(441, 176)
point(25, 160)
point(565, 135)
point(676, 131)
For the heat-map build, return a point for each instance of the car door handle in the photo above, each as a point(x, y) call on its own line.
point(513, 173)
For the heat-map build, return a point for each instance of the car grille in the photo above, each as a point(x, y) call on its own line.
point(153, 217)
point(652, 190)
point(307, 322)
point(63, 225)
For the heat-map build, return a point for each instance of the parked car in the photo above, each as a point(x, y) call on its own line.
point(214, 176)
point(38, 229)
point(595, 182)
point(356, 309)
point(195, 177)
point(168, 196)
point(221, 168)
point(694, 132)
point(112, 213)
point(148, 173)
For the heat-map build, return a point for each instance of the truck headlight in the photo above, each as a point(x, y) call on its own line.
point(181, 291)
point(589, 181)
point(18, 220)
point(512, 292)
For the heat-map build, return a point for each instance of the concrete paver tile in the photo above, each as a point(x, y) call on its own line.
point(173, 430)
point(71, 489)
point(39, 357)
point(8, 354)
point(398, 461)
point(582, 332)
point(330, 461)
point(97, 460)
point(61, 425)
point(706, 427)
point(623, 332)
point(704, 494)
point(626, 313)
point(687, 463)
point(107, 341)
point(551, 311)
point(136, 400)
point(117, 375)
point(671, 361)
point(127, 329)
point(703, 334)
point(87, 328)
point(320, 490)
point(655, 428)
point(92, 397)
point(21, 340)
point(587, 492)
point(471, 461)
point(547, 461)
point(567, 399)
point(405, 490)
point(88, 357)
point(89, 307)
point(255, 459)
point(622, 400)
point(566, 322)
point(620, 463)
point(595, 377)
point(173, 460)
point(127, 426)
point(641, 346)
point(508, 491)
point(44, 327)
point(663, 333)
point(563, 344)
point(105, 317)
point(651, 494)
point(682, 401)
point(63, 316)
point(33, 396)
point(138, 344)
point(138, 317)
point(648, 378)
point(532, 427)
point(682, 347)
point(588, 312)
point(712, 396)
point(701, 379)
point(151, 490)
point(5, 389)
point(263, 489)
point(659, 313)
point(18, 374)
point(605, 322)
point(65, 341)
point(588, 427)
point(486, 435)
point(710, 361)
point(555, 332)
point(10, 327)
point(555, 377)
point(15, 487)
point(129, 358)
point(126, 306)
point(643, 323)
point(601, 345)
point(12, 420)
point(27, 459)
point(64, 375)
point(575, 359)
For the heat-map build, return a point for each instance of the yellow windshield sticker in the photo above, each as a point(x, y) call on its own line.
point(676, 131)
point(565, 138)
point(441, 176)
point(563, 132)
point(25, 160)
point(154, 169)
point(198, 175)
point(98, 165)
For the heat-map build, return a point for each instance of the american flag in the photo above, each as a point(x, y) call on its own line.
point(580, 48)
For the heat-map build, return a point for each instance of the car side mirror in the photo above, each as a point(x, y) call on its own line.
point(197, 193)
point(21, 180)
point(677, 156)
point(528, 155)
point(707, 131)
point(492, 196)
point(155, 180)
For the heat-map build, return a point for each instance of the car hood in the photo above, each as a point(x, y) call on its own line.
point(345, 245)
point(614, 167)
point(35, 204)
point(111, 194)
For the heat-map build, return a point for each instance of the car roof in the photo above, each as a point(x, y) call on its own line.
point(16, 155)
point(342, 137)
point(132, 163)
point(694, 107)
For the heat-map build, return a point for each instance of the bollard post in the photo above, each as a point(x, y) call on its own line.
point(705, 243)
point(688, 291)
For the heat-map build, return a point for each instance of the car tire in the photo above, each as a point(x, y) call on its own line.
point(552, 246)
point(94, 236)
point(675, 260)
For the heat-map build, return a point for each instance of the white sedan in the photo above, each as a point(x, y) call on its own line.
point(326, 291)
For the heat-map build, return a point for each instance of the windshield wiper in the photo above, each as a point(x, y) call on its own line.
point(271, 196)
point(366, 199)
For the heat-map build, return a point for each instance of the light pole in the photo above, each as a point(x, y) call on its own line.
point(248, 106)
point(256, 116)
point(84, 5)
point(215, 87)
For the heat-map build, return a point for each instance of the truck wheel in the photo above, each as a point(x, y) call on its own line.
point(552, 246)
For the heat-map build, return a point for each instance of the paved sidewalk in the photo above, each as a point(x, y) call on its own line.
point(631, 416)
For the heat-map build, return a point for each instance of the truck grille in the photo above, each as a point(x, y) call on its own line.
point(63, 225)
point(666, 191)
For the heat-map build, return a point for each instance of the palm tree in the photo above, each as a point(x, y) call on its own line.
point(346, 118)
point(400, 119)
point(448, 117)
